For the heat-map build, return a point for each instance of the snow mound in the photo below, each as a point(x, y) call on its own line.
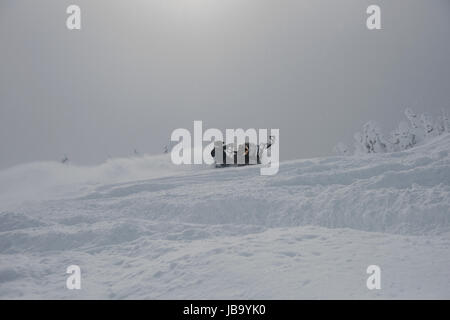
point(404, 192)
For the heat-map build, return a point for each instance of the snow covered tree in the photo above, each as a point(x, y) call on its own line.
point(402, 138)
point(412, 117)
point(440, 124)
point(416, 126)
point(371, 140)
point(428, 125)
point(420, 129)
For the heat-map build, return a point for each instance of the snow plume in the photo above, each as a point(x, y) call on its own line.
point(421, 128)
point(44, 180)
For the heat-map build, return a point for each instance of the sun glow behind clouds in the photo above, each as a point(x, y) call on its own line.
point(198, 9)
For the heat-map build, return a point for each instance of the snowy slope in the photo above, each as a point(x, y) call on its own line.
point(143, 228)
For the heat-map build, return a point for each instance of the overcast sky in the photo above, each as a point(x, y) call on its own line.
point(139, 69)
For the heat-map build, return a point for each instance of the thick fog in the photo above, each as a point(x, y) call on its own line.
point(139, 69)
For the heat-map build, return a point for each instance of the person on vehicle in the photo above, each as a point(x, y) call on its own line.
point(245, 150)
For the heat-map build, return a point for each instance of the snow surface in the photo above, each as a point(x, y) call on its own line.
point(144, 228)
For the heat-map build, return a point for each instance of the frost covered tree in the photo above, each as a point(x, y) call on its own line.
point(402, 138)
point(371, 140)
point(416, 126)
point(407, 135)
point(412, 117)
point(441, 125)
point(428, 125)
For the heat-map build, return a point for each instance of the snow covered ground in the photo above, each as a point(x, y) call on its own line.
point(143, 228)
